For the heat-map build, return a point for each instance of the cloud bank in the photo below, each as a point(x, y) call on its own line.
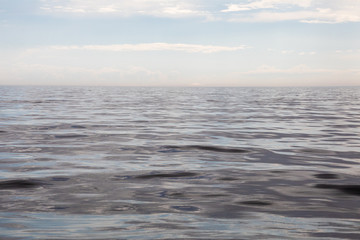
point(157, 8)
point(190, 48)
point(306, 11)
point(266, 4)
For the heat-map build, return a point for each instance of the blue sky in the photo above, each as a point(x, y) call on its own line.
point(180, 43)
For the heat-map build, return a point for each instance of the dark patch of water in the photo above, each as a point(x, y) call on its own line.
point(186, 208)
point(70, 136)
point(208, 148)
point(167, 175)
point(348, 189)
point(20, 184)
point(326, 176)
point(255, 203)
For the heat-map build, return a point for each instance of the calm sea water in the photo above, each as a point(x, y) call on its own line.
point(179, 163)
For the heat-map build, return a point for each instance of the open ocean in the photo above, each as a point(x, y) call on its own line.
point(179, 163)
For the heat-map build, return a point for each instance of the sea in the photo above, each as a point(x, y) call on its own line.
point(179, 163)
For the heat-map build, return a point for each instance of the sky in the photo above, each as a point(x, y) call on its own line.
point(180, 42)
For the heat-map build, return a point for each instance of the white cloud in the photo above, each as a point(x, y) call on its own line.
point(292, 52)
point(313, 16)
point(190, 48)
point(298, 69)
point(348, 51)
point(158, 8)
point(331, 11)
point(264, 4)
point(306, 11)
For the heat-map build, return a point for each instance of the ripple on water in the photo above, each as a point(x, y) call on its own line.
point(167, 175)
point(206, 148)
point(186, 163)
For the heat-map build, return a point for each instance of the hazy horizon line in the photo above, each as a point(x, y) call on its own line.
point(182, 86)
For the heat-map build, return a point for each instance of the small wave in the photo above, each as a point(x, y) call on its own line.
point(70, 136)
point(186, 208)
point(208, 148)
point(77, 126)
point(167, 175)
point(60, 179)
point(255, 203)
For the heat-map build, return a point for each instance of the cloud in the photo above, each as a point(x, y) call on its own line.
point(306, 11)
point(298, 69)
point(190, 48)
point(348, 51)
point(265, 4)
point(292, 52)
point(157, 8)
point(318, 15)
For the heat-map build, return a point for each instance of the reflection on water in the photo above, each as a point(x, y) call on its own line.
point(193, 163)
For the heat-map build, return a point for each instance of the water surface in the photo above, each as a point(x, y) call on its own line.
point(179, 163)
